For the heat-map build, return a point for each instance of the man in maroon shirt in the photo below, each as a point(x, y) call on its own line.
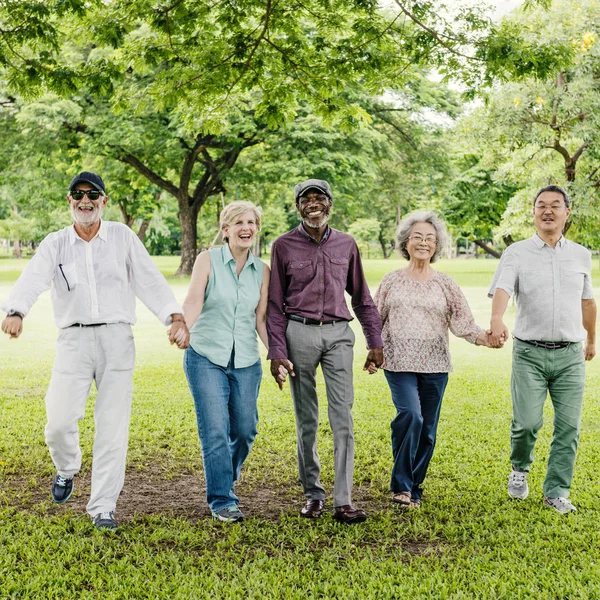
point(308, 324)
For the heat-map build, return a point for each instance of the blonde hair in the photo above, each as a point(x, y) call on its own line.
point(235, 210)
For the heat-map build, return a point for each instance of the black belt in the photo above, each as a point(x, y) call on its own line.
point(546, 345)
point(87, 324)
point(307, 321)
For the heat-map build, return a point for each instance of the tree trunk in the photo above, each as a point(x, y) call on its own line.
point(384, 246)
point(481, 244)
point(188, 219)
point(142, 230)
point(17, 249)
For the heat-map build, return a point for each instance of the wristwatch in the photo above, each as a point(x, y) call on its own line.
point(14, 313)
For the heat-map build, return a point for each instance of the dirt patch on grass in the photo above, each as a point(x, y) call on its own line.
point(149, 492)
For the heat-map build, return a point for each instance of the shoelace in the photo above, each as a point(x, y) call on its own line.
point(104, 515)
point(518, 477)
point(61, 481)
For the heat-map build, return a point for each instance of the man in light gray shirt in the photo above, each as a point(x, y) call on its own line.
point(550, 278)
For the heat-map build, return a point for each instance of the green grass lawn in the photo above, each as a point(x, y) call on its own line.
point(467, 541)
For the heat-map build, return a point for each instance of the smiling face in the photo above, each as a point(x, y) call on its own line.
point(242, 231)
point(86, 212)
point(550, 214)
point(422, 241)
point(314, 208)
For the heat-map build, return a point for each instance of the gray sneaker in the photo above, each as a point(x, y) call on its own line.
point(230, 514)
point(517, 485)
point(561, 505)
point(105, 520)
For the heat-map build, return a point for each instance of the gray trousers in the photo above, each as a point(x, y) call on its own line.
point(331, 346)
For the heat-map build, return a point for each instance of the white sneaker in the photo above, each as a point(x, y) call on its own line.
point(517, 485)
point(561, 505)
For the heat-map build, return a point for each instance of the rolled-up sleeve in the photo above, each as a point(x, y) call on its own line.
point(149, 284)
point(506, 275)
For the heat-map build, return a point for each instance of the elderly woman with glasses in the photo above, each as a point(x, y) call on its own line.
point(418, 305)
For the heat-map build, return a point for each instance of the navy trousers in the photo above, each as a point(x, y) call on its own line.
point(418, 399)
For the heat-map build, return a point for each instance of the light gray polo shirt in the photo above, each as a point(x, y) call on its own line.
point(549, 285)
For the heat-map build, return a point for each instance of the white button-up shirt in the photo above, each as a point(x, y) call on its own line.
point(95, 281)
point(549, 285)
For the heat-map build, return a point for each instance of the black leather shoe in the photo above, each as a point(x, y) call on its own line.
point(313, 509)
point(62, 488)
point(348, 514)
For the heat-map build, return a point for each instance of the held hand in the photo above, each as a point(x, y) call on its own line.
point(280, 369)
point(12, 326)
point(484, 339)
point(590, 350)
point(497, 333)
point(374, 360)
point(179, 334)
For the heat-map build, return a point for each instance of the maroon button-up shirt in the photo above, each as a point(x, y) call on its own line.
point(308, 279)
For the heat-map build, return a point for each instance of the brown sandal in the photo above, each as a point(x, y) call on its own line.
point(401, 498)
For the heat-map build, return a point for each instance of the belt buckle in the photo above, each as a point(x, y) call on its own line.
point(320, 323)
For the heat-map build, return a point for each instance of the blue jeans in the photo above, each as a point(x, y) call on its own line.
point(418, 399)
point(225, 401)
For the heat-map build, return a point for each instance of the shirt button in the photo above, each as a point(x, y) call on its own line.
point(320, 280)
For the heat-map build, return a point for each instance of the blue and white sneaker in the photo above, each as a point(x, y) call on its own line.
point(62, 488)
point(230, 514)
point(105, 520)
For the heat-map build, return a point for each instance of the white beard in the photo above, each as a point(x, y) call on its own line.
point(86, 219)
point(317, 225)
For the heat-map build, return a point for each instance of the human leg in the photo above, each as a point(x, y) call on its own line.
point(431, 391)
point(67, 393)
point(243, 415)
point(336, 362)
point(566, 391)
point(406, 428)
point(304, 350)
point(210, 389)
point(115, 360)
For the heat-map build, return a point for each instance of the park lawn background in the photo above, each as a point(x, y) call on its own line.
point(468, 540)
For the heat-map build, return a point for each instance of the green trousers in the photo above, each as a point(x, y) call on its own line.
point(535, 372)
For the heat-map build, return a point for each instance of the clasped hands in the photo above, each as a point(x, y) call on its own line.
point(179, 333)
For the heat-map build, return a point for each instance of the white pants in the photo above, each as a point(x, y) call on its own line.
point(105, 354)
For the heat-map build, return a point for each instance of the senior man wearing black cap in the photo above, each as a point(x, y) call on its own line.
point(308, 323)
point(96, 269)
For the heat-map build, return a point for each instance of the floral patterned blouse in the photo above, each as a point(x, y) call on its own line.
point(416, 316)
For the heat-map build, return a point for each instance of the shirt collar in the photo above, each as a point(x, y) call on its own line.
point(540, 243)
point(102, 234)
point(305, 234)
point(228, 257)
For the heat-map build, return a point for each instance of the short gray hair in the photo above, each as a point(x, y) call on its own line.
point(406, 225)
point(235, 210)
point(554, 188)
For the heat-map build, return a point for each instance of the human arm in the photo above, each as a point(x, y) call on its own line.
point(498, 330)
point(149, 284)
point(35, 279)
point(588, 310)
point(460, 318)
point(194, 300)
point(276, 320)
point(365, 309)
point(261, 309)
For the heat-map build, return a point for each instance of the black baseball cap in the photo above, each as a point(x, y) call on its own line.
point(310, 184)
point(88, 177)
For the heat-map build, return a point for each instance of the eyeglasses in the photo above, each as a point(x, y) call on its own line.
point(418, 238)
point(91, 194)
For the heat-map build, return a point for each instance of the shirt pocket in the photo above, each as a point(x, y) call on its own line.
point(67, 276)
point(300, 271)
point(339, 269)
point(571, 281)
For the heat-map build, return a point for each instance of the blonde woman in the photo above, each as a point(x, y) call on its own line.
point(225, 308)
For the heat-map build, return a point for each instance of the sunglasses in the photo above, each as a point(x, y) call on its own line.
point(91, 194)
